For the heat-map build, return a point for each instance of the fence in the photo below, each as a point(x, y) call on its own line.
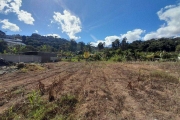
point(21, 58)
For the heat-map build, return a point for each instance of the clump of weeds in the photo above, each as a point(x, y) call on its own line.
point(35, 108)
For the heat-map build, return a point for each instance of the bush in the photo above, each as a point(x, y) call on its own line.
point(178, 48)
point(96, 56)
point(21, 65)
point(118, 58)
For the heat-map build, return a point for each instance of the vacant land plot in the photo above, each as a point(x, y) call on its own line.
point(92, 90)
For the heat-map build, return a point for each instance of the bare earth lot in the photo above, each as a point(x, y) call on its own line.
point(104, 91)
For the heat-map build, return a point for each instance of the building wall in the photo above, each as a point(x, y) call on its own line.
point(21, 58)
point(46, 57)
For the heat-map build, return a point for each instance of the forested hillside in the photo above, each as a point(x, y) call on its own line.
point(120, 50)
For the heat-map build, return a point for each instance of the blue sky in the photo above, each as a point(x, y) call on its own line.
point(92, 21)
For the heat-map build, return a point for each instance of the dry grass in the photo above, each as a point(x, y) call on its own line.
point(100, 90)
point(32, 67)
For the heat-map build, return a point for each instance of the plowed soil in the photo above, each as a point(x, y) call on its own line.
point(106, 91)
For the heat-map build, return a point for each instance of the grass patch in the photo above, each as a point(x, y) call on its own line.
point(23, 70)
point(30, 67)
point(37, 109)
point(34, 67)
point(166, 77)
point(18, 91)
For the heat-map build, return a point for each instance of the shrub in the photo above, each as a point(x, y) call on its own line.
point(21, 65)
point(118, 58)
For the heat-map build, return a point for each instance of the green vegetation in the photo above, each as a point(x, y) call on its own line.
point(37, 109)
point(178, 48)
point(3, 46)
point(162, 49)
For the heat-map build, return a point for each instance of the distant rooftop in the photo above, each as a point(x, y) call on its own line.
point(13, 41)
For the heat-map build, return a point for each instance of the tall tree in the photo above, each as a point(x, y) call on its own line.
point(46, 48)
point(124, 44)
point(101, 45)
point(23, 38)
point(73, 45)
point(28, 48)
point(80, 46)
point(178, 48)
point(3, 46)
point(2, 34)
point(116, 44)
point(88, 47)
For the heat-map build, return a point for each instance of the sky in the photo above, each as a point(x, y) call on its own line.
point(92, 21)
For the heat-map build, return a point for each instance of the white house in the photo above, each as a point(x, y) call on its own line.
point(12, 42)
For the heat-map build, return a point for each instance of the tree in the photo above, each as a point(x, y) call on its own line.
point(28, 48)
point(116, 44)
point(3, 46)
point(113, 45)
point(73, 45)
point(178, 48)
point(136, 45)
point(35, 35)
point(46, 48)
point(19, 48)
point(23, 39)
point(2, 34)
point(101, 45)
point(11, 49)
point(66, 46)
point(124, 44)
point(80, 46)
point(88, 47)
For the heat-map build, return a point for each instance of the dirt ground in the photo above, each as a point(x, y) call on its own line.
point(106, 91)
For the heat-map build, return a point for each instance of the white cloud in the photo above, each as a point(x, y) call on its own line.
point(7, 6)
point(133, 35)
point(170, 14)
point(15, 5)
point(36, 31)
point(10, 26)
point(95, 44)
point(3, 4)
point(108, 40)
point(130, 35)
point(70, 24)
point(170, 6)
point(53, 35)
point(25, 17)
